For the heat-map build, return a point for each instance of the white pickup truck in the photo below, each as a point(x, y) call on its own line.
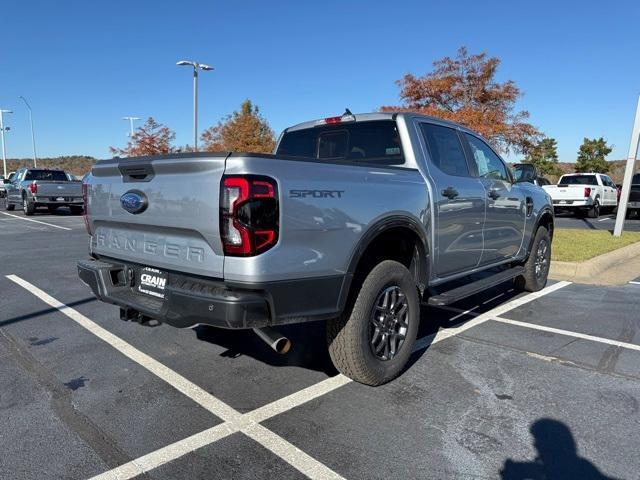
point(584, 193)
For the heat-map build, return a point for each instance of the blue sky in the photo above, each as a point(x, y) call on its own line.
point(85, 64)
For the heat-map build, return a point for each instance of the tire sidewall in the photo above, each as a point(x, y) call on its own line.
point(594, 212)
point(541, 234)
point(394, 274)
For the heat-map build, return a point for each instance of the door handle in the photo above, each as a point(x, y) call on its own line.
point(450, 193)
point(494, 194)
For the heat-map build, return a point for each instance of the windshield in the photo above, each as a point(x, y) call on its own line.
point(366, 142)
point(636, 179)
point(578, 180)
point(48, 175)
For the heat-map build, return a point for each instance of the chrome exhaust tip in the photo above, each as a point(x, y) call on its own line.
point(275, 340)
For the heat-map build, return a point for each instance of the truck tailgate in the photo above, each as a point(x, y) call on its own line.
point(566, 192)
point(179, 227)
point(59, 189)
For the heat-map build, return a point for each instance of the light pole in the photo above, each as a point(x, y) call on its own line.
point(2, 130)
point(196, 66)
point(131, 120)
point(33, 137)
point(634, 147)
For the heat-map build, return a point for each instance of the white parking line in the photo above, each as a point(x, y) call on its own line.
point(606, 218)
point(492, 299)
point(568, 333)
point(444, 333)
point(35, 221)
point(456, 310)
point(634, 283)
point(233, 420)
point(465, 312)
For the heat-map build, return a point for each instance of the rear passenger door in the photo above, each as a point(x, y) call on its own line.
point(504, 224)
point(459, 201)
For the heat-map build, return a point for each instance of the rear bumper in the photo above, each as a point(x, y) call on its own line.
point(572, 203)
point(191, 300)
point(54, 200)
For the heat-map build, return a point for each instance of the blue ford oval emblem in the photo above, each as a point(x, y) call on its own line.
point(134, 201)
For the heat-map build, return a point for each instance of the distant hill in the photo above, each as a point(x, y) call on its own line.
point(81, 164)
point(76, 164)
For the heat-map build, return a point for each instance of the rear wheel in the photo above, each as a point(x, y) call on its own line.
point(373, 339)
point(28, 207)
point(594, 211)
point(52, 209)
point(536, 268)
point(76, 210)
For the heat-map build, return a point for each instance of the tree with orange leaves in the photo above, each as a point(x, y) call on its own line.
point(243, 131)
point(152, 138)
point(464, 90)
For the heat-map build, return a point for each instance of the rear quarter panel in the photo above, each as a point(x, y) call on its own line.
point(319, 232)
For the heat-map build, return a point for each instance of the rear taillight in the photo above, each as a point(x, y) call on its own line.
point(33, 188)
point(249, 214)
point(587, 192)
point(85, 208)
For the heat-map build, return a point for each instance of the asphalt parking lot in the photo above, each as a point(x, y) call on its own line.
point(501, 385)
point(607, 221)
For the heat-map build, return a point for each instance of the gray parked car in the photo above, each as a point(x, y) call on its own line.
point(355, 220)
point(31, 188)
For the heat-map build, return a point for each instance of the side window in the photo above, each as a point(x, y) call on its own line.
point(445, 149)
point(543, 181)
point(488, 163)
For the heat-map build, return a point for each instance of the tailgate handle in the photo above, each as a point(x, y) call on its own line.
point(136, 173)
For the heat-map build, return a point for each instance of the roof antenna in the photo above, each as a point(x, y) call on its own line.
point(347, 112)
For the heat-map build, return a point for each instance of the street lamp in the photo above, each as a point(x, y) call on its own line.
point(33, 138)
point(2, 130)
point(196, 66)
point(131, 120)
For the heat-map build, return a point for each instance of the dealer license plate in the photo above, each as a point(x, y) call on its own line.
point(152, 281)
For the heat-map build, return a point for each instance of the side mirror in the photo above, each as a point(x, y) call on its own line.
point(526, 173)
point(6, 180)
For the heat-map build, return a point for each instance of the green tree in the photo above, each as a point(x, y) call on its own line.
point(243, 131)
point(591, 156)
point(544, 155)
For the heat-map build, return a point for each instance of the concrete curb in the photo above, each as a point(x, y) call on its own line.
point(612, 268)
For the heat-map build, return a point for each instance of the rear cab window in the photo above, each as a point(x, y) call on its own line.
point(46, 175)
point(578, 180)
point(368, 142)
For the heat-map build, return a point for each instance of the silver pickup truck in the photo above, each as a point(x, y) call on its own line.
point(355, 220)
point(31, 188)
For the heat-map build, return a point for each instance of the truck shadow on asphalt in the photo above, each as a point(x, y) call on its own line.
point(557, 456)
point(308, 346)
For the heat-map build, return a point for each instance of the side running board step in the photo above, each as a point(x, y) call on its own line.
point(452, 296)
